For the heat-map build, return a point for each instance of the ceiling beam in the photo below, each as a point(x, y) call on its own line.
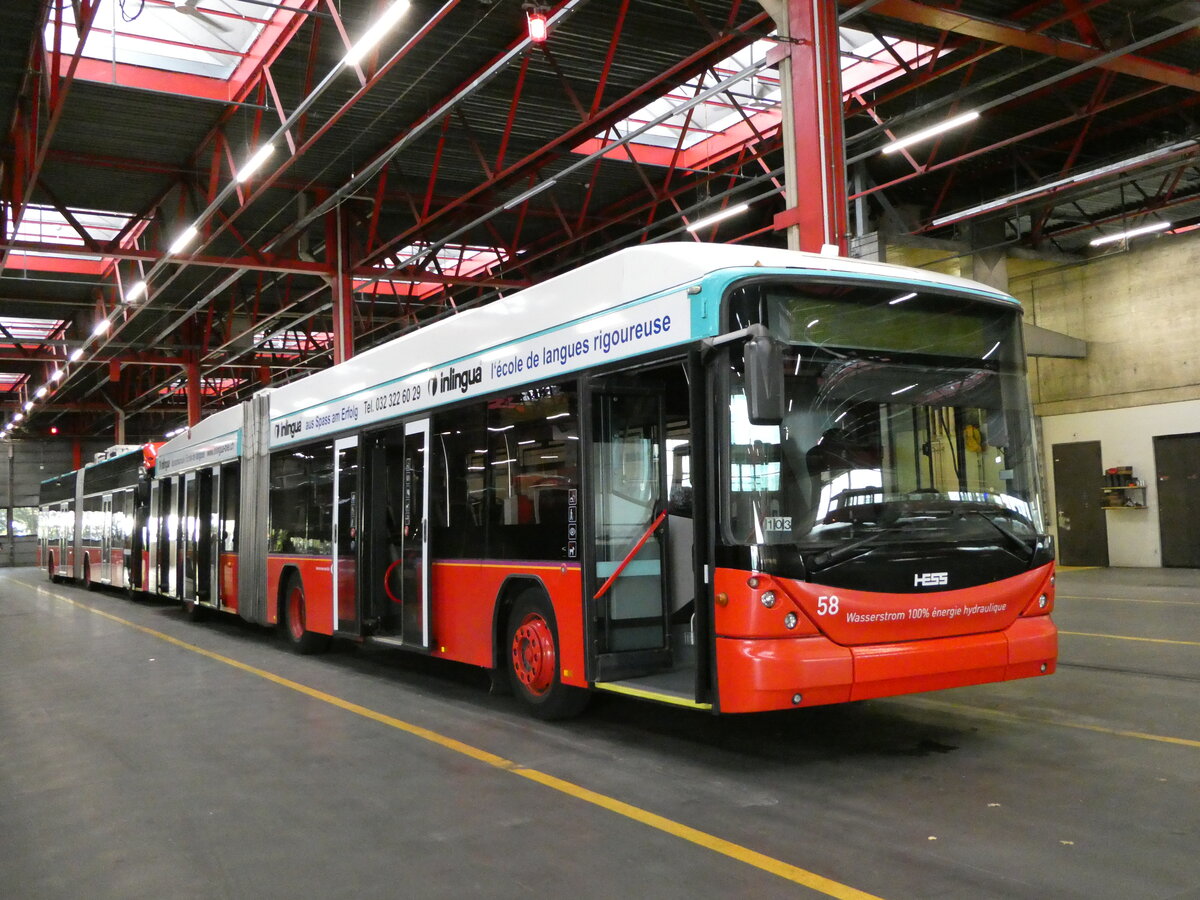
point(1011, 36)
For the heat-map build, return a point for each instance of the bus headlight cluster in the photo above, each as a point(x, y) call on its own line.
point(1042, 602)
point(768, 599)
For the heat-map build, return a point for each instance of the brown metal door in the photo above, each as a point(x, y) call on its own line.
point(1078, 484)
point(1177, 462)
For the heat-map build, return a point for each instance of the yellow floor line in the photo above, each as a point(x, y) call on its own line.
point(1126, 637)
point(701, 838)
point(1017, 717)
point(1058, 597)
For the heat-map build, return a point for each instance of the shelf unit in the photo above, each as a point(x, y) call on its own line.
point(1122, 490)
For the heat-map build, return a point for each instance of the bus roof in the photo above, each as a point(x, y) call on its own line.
point(622, 277)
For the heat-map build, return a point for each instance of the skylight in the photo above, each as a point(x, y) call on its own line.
point(19, 331)
point(453, 261)
point(209, 387)
point(12, 381)
point(292, 344)
point(193, 37)
point(866, 64)
point(46, 225)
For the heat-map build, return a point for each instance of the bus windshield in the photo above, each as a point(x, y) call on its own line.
point(907, 421)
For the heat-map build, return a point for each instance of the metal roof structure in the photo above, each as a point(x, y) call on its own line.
point(458, 160)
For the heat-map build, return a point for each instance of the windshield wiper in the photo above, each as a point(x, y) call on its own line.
point(1028, 550)
point(836, 555)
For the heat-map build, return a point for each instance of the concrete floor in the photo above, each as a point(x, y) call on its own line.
point(142, 755)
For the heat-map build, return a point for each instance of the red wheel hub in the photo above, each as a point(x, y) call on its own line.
point(295, 613)
point(533, 654)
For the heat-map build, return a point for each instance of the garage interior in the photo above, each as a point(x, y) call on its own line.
point(159, 264)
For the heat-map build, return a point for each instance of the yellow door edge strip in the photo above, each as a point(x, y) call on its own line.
point(649, 695)
point(1126, 637)
point(745, 855)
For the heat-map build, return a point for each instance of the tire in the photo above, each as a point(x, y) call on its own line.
point(193, 611)
point(532, 654)
point(292, 620)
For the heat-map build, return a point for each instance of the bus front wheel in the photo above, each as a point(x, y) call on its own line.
point(534, 667)
point(292, 619)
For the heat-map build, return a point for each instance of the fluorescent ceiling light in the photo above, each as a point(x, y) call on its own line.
point(718, 216)
point(1132, 232)
point(76, 354)
point(184, 239)
point(135, 292)
point(18, 416)
point(903, 389)
point(901, 299)
point(255, 162)
point(1089, 175)
point(41, 392)
point(363, 46)
point(102, 326)
point(917, 136)
point(28, 405)
point(56, 375)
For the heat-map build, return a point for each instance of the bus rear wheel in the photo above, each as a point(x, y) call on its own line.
point(292, 620)
point(534, 668)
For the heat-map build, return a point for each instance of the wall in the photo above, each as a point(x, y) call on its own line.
point(1126, 438)
point(1138, 310)
point(24, 464)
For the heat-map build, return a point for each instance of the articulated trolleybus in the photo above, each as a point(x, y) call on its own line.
point(91, 521)
point(728, 478)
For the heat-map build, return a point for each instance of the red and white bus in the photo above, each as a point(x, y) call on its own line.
point(723, 477)
point(91, 521)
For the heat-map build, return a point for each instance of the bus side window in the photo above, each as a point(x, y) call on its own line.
point(456, 489)
point(532, 466)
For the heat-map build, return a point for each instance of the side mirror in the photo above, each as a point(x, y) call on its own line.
point(764, 381)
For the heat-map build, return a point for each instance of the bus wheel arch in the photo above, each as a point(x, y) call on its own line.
point(292, 612)
point(532, 653)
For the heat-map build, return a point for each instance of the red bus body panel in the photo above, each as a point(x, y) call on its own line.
point(318, 589)
point(227, 588)
point(464, 599)
point(763, 665)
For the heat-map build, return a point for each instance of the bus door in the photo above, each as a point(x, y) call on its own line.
point(106, 542)
point(413, 519)
point(628, 573)
point(189, 537)
point(345, 535)
point(396, 497)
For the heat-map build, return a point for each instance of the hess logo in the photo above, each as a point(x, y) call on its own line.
point(931, 579)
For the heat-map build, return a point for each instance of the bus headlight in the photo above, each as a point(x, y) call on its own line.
point(768, 599)
point(789, 621)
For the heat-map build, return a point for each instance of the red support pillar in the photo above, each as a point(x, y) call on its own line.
point(337, 239)
point(814, 145)
point(192, 368)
